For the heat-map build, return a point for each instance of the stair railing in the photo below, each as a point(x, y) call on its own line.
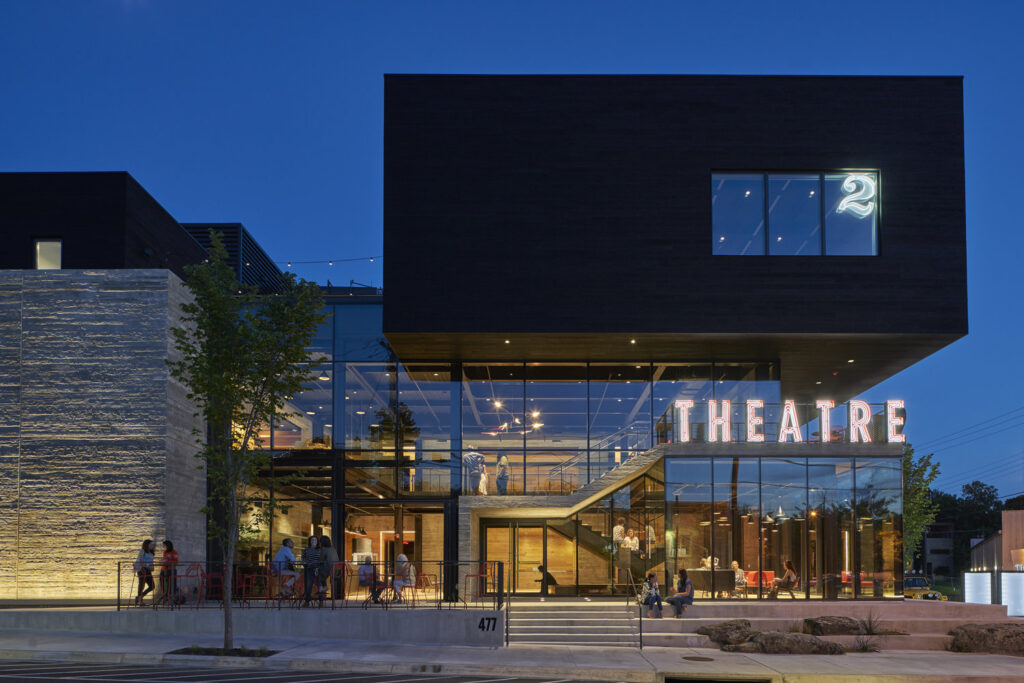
point(559, 470)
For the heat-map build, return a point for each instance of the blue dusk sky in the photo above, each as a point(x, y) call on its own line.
point(271, 114)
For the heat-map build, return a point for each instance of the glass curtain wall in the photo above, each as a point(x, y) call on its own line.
point(737, 523)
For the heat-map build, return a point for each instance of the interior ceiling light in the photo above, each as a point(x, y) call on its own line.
point(497, 404)
point(508, 341)
point(360, 412)
point(323, 378)
point(310, 412)
point(535, 413)
point(632, 341)
point(818, 382)
point(850, 361)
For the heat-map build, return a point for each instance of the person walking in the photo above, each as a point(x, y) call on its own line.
point(143, 567)
point(328, 558)
point(311, 568)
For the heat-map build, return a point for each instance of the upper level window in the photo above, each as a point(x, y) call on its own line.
point(795, 214)
point(47, 254)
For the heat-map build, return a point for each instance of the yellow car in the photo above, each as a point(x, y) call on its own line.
point(918, 588)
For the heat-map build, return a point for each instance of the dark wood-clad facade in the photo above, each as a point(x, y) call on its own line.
point(569, 214)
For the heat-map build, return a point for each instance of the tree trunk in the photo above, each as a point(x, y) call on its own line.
point(229, 572)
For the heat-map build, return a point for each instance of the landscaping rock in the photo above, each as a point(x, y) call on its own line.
point(778, 643)
point(729, 632)
point(832, 626)
point(1003, 639)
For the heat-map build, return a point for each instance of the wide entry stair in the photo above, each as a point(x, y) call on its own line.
point(609, 623)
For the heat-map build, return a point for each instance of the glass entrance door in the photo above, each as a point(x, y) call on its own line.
point(521, 547)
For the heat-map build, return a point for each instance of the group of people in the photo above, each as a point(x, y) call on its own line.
point(318, 560)
point(680, 600)
point(144, 565)
point(477, 478)
point(370, 578)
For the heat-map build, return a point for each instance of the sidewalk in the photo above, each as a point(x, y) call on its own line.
point(575, 662)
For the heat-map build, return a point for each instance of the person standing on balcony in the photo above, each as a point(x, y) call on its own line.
point(504, 470)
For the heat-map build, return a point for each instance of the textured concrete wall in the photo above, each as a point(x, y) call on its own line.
point(94, 436)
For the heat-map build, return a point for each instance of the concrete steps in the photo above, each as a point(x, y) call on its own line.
point(612, 623)
point(576, 622)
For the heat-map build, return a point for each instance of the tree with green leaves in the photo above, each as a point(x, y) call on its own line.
point(918, 508)
point(243, 355)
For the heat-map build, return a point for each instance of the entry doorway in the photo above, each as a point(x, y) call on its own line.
point(541, 560)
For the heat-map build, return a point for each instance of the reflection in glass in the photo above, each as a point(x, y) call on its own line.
point(688, 494)
point(492, 406)
point(851, 214)
point(737, 213)
point(620, 413)
point(426, 399)
point(783, 520)
point(428, 473)
point(879, 527)
point(830, 527)
point(794, 215)
point(357, 332)
point(307, 421)
point(554, 472)
point(366, 407)
point(556, 405)
point(680, 381)
point(736, 513)
point(322, 346)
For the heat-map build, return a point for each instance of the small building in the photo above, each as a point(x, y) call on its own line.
point(1003, 550)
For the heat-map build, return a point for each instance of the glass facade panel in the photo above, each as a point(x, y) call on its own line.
point(851, 214)
point(427, 406)
point(369, 478)
point(794, 215)
point(322, 346)
point(556, 405)
point(783, 524)
point(365, 407)
point(429, 473)
point(357, 333)
point(307, 421)
point(620, 413)
point(879, 527)
point(830, 527)
point(737, 214)
point(736, 527)
point(554, 472)
point(493, 471)
point(680, 381)
point(688, 492)
point(492, 406)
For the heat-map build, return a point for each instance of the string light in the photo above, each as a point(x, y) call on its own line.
point(330, 262)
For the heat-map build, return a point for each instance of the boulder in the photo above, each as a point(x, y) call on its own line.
point(729, 632)
point(1003, 639)
point(779, 643)
point(832, 626)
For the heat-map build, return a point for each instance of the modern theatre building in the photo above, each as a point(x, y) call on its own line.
point(624, 323)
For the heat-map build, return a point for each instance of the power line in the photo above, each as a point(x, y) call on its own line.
point(930, 442)
point(330, 262)
point(976, 438)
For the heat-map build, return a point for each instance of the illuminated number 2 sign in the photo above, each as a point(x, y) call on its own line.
point(859, 195)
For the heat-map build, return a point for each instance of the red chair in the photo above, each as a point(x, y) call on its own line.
point(478, 582)
point(213, 586)
point(256, 586)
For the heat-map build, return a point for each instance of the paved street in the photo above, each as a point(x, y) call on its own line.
point(34, 672)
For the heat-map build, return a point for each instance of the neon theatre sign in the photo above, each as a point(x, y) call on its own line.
point(858, 426)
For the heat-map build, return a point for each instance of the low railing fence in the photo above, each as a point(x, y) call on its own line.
point(365, 585)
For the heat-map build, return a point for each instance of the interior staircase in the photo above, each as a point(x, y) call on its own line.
point(607, 623)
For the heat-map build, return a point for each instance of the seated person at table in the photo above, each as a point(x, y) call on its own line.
point(683, 595)
point(368, 578)
point(284, 566)
point(740, 578)
point(405, 575)
point(787, 582)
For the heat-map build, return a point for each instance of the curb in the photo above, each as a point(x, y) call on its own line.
point(328, 665)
